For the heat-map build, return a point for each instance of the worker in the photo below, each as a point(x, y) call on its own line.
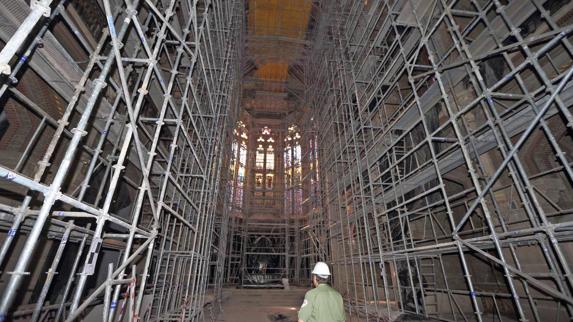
point(323, 303)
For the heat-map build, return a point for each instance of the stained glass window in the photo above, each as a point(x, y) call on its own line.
point(293, 171)
point(265, 161)
point(270, 158)
point(313, 165)
point(259, 180)
point(237, 165)
point(260, 157)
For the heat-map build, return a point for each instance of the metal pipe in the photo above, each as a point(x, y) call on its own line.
point(40, 8)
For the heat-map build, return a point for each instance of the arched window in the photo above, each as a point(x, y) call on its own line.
point(265, 160)
point(293, 171)
point(237, 165)
point(313, 166)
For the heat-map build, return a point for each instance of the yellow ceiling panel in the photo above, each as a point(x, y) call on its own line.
point(283, 18)
point(273, 71)
point(271, 21)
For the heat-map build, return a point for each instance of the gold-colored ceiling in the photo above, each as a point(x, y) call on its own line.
point(282, 18)
point(273, 71)
point(276, 38)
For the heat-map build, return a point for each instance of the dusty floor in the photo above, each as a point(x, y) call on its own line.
point(278, 305)
point(261, 305)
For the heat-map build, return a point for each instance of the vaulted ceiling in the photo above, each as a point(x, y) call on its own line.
point(277, 38)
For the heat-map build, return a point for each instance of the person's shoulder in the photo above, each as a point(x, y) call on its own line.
point(326, 289)
point(310, 292)
point(333, 290)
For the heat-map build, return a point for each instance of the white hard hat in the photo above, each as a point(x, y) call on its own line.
point(321, 269)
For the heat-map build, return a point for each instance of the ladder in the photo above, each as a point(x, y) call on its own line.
point(429, 285)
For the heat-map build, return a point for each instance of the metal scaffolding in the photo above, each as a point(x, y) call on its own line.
point(118, 190)
point(421, 147)
point(445, 143)
point(264, 246)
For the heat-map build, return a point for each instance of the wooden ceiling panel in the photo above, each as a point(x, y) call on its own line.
point(276, 40)
point(282, 18)
point(273, 71)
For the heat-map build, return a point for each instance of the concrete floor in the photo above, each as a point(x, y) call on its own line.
point(261, 305)
point(278, 305)
point(264, 305)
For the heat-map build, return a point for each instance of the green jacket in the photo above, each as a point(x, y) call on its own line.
point(322, 304)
